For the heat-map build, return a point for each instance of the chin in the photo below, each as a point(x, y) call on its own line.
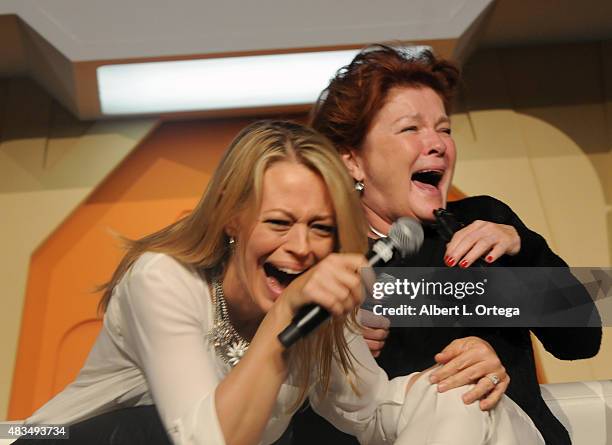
point(263, 301)
point(424, 213)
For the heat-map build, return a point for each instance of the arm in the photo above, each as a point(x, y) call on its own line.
point(501, 228)
point(568, 343)
point(162, 328)
point(246, 397)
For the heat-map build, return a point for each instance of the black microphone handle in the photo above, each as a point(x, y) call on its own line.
point(307, 318)
point(447, 225)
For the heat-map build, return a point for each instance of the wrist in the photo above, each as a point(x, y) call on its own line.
point(283, 310)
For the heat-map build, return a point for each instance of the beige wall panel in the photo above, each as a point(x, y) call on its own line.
point(563, 119)
point(602, 165)
point(24, 135)
point(603, 161)
point(65, 131)
point(606, 62)
point(571, 193)
point(525, 138)
point(609, 220)
point(38, 192)
point(497, 164)
point(495, 161)
point(101, 148)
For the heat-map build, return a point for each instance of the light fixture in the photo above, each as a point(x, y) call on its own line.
point(220, 83)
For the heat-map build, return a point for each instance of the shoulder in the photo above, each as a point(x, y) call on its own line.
point(162, 268)
point(152, 262)
point(481, 207)
point(159, 280)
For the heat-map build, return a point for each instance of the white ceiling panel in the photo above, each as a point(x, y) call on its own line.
point(114, 29)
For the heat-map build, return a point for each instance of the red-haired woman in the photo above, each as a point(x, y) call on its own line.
point(388, 115)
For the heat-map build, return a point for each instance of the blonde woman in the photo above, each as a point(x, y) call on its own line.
point(193, 311)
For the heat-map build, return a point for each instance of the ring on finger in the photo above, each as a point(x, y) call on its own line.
point(494, 379)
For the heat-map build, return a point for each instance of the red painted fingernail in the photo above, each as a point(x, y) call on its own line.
point(489, 259)
point(445, 258)
point(450, 261)
point(463, 264)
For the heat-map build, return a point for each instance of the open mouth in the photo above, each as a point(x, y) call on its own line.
point(429, 177)
point(283, 276)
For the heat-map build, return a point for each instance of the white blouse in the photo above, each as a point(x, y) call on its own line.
point(153, 349)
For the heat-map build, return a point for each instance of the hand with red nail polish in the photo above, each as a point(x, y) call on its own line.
point(480, 239)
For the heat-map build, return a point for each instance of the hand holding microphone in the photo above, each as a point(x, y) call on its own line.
point(477, 244)
point(334, 285)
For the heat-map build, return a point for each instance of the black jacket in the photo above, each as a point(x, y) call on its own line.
point(412, 349)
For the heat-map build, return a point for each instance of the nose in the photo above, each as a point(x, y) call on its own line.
point(434, 144)
point(298, 243)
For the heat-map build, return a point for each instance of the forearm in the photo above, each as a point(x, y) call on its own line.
point(570, 343)
point(245, 398)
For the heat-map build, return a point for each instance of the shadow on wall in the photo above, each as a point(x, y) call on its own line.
point(43, 147)
point(567, 89)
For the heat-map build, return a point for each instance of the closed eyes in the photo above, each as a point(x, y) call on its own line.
point(325, 228)
point(278, 222)
point(282, 224)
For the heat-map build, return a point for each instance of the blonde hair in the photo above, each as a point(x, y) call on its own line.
point(200, 241)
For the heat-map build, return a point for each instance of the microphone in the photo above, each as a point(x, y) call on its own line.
point(405, 237)
point(446, 226)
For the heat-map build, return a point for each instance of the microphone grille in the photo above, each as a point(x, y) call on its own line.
point(407, 235)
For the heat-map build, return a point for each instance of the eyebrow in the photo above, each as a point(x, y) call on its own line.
point(419, 116)
point(408, 116)
point(290, 215)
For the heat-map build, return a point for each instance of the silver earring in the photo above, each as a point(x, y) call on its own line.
point(232, 241)
point(359, 186)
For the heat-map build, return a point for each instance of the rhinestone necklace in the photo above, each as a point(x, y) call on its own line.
point(229, 345)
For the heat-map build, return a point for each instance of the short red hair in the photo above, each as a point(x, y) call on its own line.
point(347, 107)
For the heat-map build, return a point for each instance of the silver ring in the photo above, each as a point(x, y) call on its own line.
point(494, 379)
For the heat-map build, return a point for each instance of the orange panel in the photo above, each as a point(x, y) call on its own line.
point(161, 180)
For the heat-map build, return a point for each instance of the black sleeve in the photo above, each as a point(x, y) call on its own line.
point(568, 343)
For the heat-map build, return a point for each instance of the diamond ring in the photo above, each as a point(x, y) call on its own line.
point(494, 379)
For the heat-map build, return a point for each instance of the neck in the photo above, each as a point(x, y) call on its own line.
point(376, 222)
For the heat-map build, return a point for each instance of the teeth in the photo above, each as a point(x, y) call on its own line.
point(289, 271)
